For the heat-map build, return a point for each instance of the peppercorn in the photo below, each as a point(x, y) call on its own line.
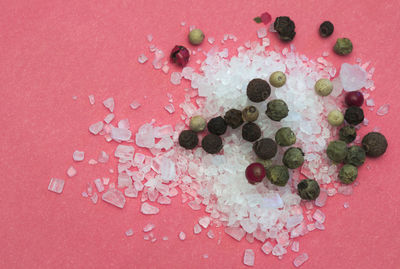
point(335, 118)
point(197, 124)
point(323, 87)
point(355, 156)
point(277, 79)
point(354, 115)
point(180, 55)
point(196, 37)
point(265, 148)
point(188, 139)
point(277, 109)
point(337, 151)
point(278, 175)
point(285, 137)
point(285, 28)
point(255, 173)
point(343, 46)
point(212, 143)
point(348, 173)
point(354, 98)
point(326, 29)
point(347, 134)
point(308, 189)
point(266, 163)
point(250, 113)
point(293, 158)
point(374, 144)
point(234, 118)
point(251, 132)
point(217, 126)
point(258, 90)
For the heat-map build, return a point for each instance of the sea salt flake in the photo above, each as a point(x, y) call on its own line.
point(94, 198)
point(84, 194)
point(383, 110)
point(294, 221)
point(370, 102)
point(114, 197)
point(165, 238)
point(142, 58)
point(103, 157)
point(204, 222)
point(197, 228)
point(262, 32)
point(120, 134)
point(165, 69)
point(182, 236)
point(109, 104)
point(299, 260)
point(170, 108)
point(211, 234)
point(211, 40)
point(279, 250)
point(148, 209)
point(95, 128)
point(92, 162)
point(124, 180)
point(71, 172)
point(236, 232)
point(99, 185)
point(131, 192)
point(205, 256)
point(149, 37)
point(176, 78)
point(163, 200)
point(124, 153)
point(321, 200)
point(267, 248)
point(56, 185)
point(319, 216)
point(353, 77)
point(346, 205)
point(148, 227)
point(295, 246)
point(129, 232)
point(248, 258)
point(134, 105)
point(194, 205)
point(91, 99)
point(109, 118)
point(319, 226)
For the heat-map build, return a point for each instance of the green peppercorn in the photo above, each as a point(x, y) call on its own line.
point(258, 90)
point(217, 126)
point(212, 143)
point(278, 175)
point(335, 118)
point(188, 139)
point(265, 148)
point(277, 109)
point(337, 151)
point(233, 118)
point(326, 29)
point(348, 173)
point(354, 115)
point(251, 132)
point(285, 28)
point(347, 133)
point(277, 79)
point(374, 144)
point(293, 158)
point(266, 163)
point(197, 124)
point(285, 137)
point(196, 37)
point(308, 189)
point(250, 113)
point(343, 46)
point(323, 87)
point(355, 156)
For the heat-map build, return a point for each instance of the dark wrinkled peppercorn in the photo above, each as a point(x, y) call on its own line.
point(258, 90)
point(343, 46)
point(326, 29)
point(278, 175)
point(293, 158)
point(188, 139)
point(308, 189)
point(265, 148)
point(347, 134)
point(285, 28)
point(348, 173)
point(374, 144)
point(354, 115)
point(251, 132)
point(285, 137)
point(277, 109)
point(212, 143)
point(355, 156)
point(337, 151)
point(217, 126)
point(233, 118)
point(250, 113)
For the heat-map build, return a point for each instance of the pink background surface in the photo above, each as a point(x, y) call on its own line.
point(52, 50)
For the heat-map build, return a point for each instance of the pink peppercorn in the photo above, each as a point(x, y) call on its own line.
point(180, 55)
point(255, 173)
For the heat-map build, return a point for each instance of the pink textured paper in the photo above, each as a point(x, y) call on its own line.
point(53, 50)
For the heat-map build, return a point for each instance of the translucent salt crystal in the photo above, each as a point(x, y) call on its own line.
point(135, 105)
point(95, 128)
point(131, 192)
point(319, 216)
point(163, 200)
point(103, 157)
point(295, 246)
point(94, 198)
point(197, 228)
point(146, 237)
point(114, 197)
point(145, 136)
point(153, 240)
point(99, 185)
point(311, 227)
point(345, 190)
point(139, 159)
point(148, 209)
point(109, 104)
point(278, 250)
point(194, 205)
point(267, 248)
point(337, 87)
point(71, 171)
point(165, 238)
point(321, 200)
point(236, 232)
point(299, 260)
point(142, 58)
point(294, 220)
point(109, 118)
point(182, 236)
point(250, 238)
point(272, 200)
point(84, 194)
point(204, 222)
point(165, 69)
point(170, 108)
point(224, 53)
point(124, 153)
point(124, 180)
point(149, 37)
point(91, 99)
point(346, 205)
point(365, 122)
point(148, 227)
point(56, 185)
point(211, 40)
point(353, 77)
point(120, 134)
point(383, 110)
point(163, 131)
point(211, 234)
point(248, 258)
point(370, 102)
point(176, 78)
point(75, 97)
point(129, 232)
point(319, 226)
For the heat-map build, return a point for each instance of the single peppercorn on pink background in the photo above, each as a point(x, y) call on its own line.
point(53, 50)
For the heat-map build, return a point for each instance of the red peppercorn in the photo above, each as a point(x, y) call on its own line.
point(255, 173)
point(354, 99)
point(180, 55)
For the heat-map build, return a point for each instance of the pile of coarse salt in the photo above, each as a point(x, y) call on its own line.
point(270, 214)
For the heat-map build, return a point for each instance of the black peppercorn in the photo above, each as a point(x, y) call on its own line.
point(355, 156)
point(293, 158)
point(265, 148)
point(258, 90)
point(234, 118)
point(285, 28)
point(354, 115)
point(278, 175)
point(212, 143)
point(308, 189)
point(277, 109)
point(326, 29)
point(217, 126)
point(251, 132)
point(347, 134)
point(375, 144)
point(188, 139)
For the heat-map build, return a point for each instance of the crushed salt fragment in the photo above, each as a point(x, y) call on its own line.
point(103, 157)
point(279, 250)
point(383, 110)
point(353, 77)
point(204, 222)
point(248, 258)
point(319, 216)
point(109, 104)
point(295, 246)
point(149, 37)
point(129, 232)
point(109, 118)
point(211, 234)
point(236, 232)
point(142, 58)
point(267, 247)
point(92, 162)
point(176, 78)
point(99, 185)
point(95, 128)
point(182, 236)
point(149, 227)
point(197, 228)
point(170, 108)
point(94, 198)
point(71, 172)
point(114, 197)
point(91, 99)
point(56, 185)
point(134, 105)
point(299, 260)
point(84, 194)
point(346, 205)
point(148, 209)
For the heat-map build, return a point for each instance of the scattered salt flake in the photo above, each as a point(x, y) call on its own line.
point(56, 185)
point(142, 58)
point(165, 69)
point(153, 240)
point(131, 192)
point(346, 205)
point(135, 105)
point(299, 260)
point(370, 102)
point(148, 209)
point(129, 232)
point(267, 248)
point(95, 128)
point(294, 220)
point(148, 227)
point(279, 250)
point(92, 162)
point(262, 32)
point(109, 118)
point(365, 122)
point(236, 232)
point(182, 236)
point(176, 78)
point(103, 157)
point(211, 40)
point(99, 185)
point(114, 197)
point(146, 237)
point(248, 258)
point(120, 134)
point(194, 205)
point(124, 153)
point(319, 226)
point(383, 110)
point(71, 172)
point(353, 77)
point(163, 200)
point(109, 104)
point(149, 37)
point(106, 180)
point(94, 198)
point(170, 108)
point(205, 256)
point(321, 200)
point(205, 221)
point(295, 246)
point(319, 216)
point(91, 99)
point(211, 234)
point(197, 228)
point(165, 238)
point(84, 194)
point(250, 238)
point(311, 227)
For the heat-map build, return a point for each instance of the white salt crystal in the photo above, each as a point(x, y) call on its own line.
point(99, 185)
point(146, 237)
point(248, 258)
point(353, 77)
point(124, 180)
point(75, 97)
point(94, 198)
point(319, 216)
point(236, 232)
point(250, 238)
point(365, 122)
point(106, 180)
point(135, 105)
point(92, 162)
point(204, 222)
point(95, 128)
point(131, 192)
point(91, 99)
point(129, 232)
point(109, 118)
point(346, 205)
point(148, 227)
point(295, 246)
point(182, 236)
point(170, 108)
point(142, 58)
point(103, 157)
point(205, 256)
point(183, 23)
point(149, 37)
point(211, 234)
point(163, 200)
point(56, 185)
point(319, 226)
point(109, 104)
point(383, 110)
point(294, 220)
point(262, 32)
point(148, 209)
point(370, 102)
point(71, 172)
point(325, 53)
point(278, 250)
point(197, 228)
point(114, 197)
point(211, 40)
point(176, 78)
point(194, 205)
point(299, 260)
point(145, 136)
point(165, 69)
point(124, 153)
point(124, 124)
point(120, 134)
point(321, 200)
point(84, 194)
point(267, 248)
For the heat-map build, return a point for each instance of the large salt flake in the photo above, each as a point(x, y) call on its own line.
point(145, 136)
point(299, 260)
point(167, 168)
point(109, 103)
point(114, 197)
point(56, 185)
point(148, 209)
point(95, 128)
point(120, 134)
point(124, 153)
point(353, 77)
point(236, 232)
point(248, 258)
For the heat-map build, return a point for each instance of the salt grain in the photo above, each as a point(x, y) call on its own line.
point(170, 108)
point(71, 172)
point(95, 128)
point(236, 232)
point(176, 78)
point(109, 118)
point(370, 102)
point(99, 185)
point(94, 198)
point(182, 236)
point(197, 229)
point(142, 58)
point(319, 216)
point(114, 197)
point(248, 258)
point(149, 227)
point(92, 162)
point(295, 246)
point(78, 156)
point(135, 105)
point(299, 260)
point(109, 104)
point(211, 234)
point(148, 209)
point(383, 110)
point(149, 37)
point(211, 40)
point(204, 222)
point(56, 185)
point(353, 77)
point(346, 205)
point(91, 99)
point(267, 248)
point(129, 232)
